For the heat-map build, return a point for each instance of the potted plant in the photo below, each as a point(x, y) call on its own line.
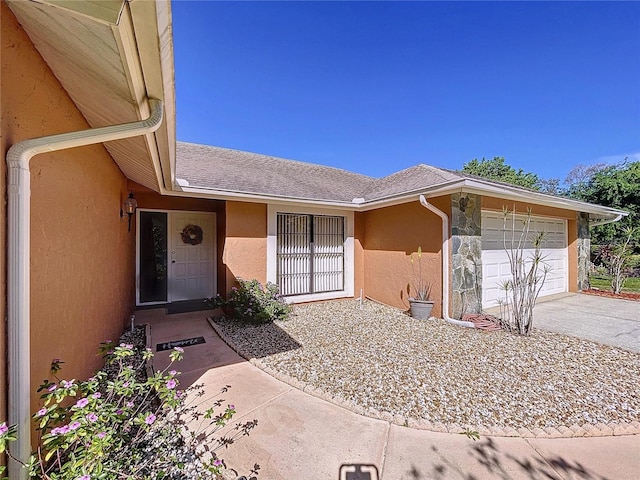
point(419, 304)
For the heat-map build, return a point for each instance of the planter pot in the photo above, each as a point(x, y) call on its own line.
point(420, 309)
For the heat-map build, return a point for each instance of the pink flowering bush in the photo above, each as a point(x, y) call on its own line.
point(124, 426)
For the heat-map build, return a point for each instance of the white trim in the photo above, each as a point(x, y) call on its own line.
point(168, 259)
point(272, 226)
point(446, 188)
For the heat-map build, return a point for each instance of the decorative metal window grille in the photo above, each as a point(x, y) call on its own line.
point(310, 253)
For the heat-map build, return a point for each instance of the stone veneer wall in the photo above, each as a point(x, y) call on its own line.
point(466, 254)
point(584, 251)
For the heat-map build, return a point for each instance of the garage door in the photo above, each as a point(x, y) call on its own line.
point(495, 263)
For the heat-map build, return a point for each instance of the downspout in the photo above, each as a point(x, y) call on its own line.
point(18, 271)
point(445, 264)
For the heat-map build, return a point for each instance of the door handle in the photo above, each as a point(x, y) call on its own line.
point(173, 261)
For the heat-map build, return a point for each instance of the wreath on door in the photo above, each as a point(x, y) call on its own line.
point(192, 234)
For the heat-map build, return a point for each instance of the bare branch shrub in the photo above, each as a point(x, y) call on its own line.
point(528, 272)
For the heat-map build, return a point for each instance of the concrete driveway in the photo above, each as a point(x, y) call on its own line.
point(605, 320)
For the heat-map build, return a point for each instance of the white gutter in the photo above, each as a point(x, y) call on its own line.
point(445, 264)
point(18, 274)
point(183, 188)
point(604, 221)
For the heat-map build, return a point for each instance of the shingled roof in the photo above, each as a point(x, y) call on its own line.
point(244, 172)
point(236, 171)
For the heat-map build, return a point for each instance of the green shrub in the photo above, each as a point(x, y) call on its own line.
point(253, 303)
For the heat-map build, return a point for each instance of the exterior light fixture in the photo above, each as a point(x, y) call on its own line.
point(130, 205)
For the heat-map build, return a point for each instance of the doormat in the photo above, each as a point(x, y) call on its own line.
point(186, 306)
point(188, 342)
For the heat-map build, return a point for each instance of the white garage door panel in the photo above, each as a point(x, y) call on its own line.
point(496, 268)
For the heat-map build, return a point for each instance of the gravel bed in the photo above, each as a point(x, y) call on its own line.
point(379, 358)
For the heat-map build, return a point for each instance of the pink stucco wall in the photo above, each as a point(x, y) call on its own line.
point(82, 257)
point(245, 243)
point(390, 235)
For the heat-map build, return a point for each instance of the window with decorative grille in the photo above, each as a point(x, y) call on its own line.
point(310, 253)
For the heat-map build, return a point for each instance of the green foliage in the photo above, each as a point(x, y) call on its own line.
point(497, 169)
point(251, 302)
point(603, 282)
point(115, 425)
point(617, 259)
point(616, 186)
point(471, 434)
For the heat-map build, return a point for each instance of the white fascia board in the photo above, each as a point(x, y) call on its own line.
point(148, 65)
point(153, 34)
point(515, 194)
point(447, 188)
point(199, 192)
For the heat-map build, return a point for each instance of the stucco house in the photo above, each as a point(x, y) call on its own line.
point(75, 266)
point(321, 233)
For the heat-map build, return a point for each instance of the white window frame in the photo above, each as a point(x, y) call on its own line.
point(272, 240)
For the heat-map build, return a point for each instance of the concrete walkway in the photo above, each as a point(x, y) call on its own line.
point(610, 321)
point(299, 436)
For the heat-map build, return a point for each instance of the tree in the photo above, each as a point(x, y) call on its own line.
point(616, 186)
point(497, 169)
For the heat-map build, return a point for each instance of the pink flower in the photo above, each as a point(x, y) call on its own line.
point(101, 435)
point(43, 411)
point(83, 402)
point(150, 419)
point(173, 372)
point(96, 395)
point(52, 387)
point(84, 477)
point(74, 425)
point(179, 349)
point(217, 462)
point(60, 430)
point(130, 404)
point(232, 407)
point(3, 428)
point(92, 417)
point(68, 384)
point(171, 384)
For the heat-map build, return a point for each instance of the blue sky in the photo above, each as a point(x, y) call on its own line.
point(375, 87)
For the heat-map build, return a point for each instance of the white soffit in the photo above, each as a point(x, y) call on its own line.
point(97, 63)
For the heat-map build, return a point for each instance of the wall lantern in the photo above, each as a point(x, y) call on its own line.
point(130, 205)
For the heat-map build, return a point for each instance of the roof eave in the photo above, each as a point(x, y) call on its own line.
point(216, 194)
point(139, 36)
point(445, 188)
point(539, 198)
point(153, 35)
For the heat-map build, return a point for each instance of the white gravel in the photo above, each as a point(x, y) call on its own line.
point(379, 358)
